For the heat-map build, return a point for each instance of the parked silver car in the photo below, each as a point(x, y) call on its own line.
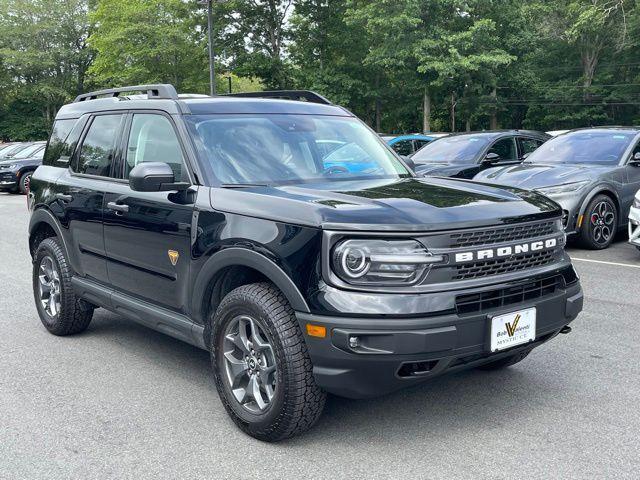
point(592, 173)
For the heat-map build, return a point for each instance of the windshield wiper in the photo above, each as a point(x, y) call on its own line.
point(243, 185)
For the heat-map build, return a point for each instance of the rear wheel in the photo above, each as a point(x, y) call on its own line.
point(262, 369)
point(600, 223)
point(61, 312)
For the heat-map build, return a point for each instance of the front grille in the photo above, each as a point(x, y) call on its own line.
point(486, 268)
point(502, 234)
point(484, 301)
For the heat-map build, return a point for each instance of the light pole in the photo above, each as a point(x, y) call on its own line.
point(212, 57)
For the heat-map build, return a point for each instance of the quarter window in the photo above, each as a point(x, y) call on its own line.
point(153, 139)
point(99, 145)
point(529, 145)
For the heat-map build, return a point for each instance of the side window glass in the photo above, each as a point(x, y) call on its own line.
point(99, 145)
point(420, 144)
point(61, 143)
point(528, 145)
point(153, 139)
point(403, 147)
point(505, 149)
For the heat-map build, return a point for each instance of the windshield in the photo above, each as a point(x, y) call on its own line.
point(584, 147)
point(12, 150)
point(278, 149)
point(456, 149)
point(28, 152)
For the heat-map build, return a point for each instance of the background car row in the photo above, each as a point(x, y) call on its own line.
point(593, 173)
point(18, 161)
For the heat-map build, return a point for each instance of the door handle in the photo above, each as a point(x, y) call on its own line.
point(63, 197)
point(118, 208)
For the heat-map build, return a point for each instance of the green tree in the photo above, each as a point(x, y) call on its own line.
point(43, 50)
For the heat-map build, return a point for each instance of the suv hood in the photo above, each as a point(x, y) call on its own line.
point(535, 175)
point(411, 204)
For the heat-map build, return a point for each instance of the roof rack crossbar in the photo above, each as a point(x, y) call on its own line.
point(298, 95)
point(159, 91)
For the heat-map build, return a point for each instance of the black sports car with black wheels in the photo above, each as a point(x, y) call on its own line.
point(464, 155)
point(592, 173)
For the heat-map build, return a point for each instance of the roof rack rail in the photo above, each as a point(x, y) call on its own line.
point(159, 91)
point(298, 95)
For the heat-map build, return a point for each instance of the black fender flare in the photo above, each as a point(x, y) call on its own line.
point(43, 215)
point(606, 189)
point(238, 256)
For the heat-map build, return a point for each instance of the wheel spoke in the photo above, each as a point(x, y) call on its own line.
point(236, 367)
point(254, 387)
point(249, 363)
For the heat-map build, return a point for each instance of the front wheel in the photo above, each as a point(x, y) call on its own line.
point(600, 223)
point(24, 182)
point(262, 369)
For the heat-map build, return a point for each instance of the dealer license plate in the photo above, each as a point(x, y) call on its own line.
point(513, 329)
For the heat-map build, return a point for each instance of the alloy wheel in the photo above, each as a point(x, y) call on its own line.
point(249, 364)
point(602, 222)
point(49, 286)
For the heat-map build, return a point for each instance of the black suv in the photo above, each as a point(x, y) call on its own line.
point(224, 222)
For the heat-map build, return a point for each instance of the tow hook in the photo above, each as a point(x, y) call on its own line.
point(566, 329)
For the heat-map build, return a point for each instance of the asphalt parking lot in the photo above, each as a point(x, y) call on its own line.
point(121, 401)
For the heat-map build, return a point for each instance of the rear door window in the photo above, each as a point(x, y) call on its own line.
point(99, 146)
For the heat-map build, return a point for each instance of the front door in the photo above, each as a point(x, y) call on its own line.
point(148, 234)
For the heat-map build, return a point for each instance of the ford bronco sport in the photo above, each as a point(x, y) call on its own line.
point(287, 239)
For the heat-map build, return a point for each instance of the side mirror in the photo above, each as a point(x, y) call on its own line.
point(635, 160)
point(154, 177)
point(524, 157)
point(409, 161)
point(491, 158)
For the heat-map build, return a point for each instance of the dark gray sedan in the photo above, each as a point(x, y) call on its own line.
point(592, 173)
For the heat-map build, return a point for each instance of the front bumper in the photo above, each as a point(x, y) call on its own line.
point(634, 226)
point(8, 180)
point(393, 353)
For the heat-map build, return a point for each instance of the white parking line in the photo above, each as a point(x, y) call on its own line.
point(605, 263)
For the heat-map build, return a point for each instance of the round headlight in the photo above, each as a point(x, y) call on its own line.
point(355, 262)
point(382, 262)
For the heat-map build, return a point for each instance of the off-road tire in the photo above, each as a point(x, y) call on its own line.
point(298, 402)
point(586, 233)
point(506, 361)
point(75, 314)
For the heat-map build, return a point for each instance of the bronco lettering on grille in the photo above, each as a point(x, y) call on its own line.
point(506, 251)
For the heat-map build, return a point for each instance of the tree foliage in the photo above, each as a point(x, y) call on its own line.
point(401, 65)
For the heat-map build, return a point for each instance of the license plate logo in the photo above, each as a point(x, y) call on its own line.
point(513, 329)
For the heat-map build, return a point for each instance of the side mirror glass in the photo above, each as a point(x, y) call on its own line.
point(154, 177)
point(491, 157)
point(410, 163)
point(635, 160)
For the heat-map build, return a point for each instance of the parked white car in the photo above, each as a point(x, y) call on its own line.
point(634, 222)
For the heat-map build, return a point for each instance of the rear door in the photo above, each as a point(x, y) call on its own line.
point(148, 234)
point(81, 189)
